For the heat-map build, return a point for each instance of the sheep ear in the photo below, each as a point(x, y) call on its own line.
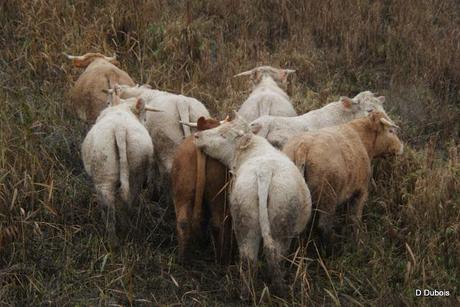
point(255, 76)
point(346, 102)
point(82, 63)
point(201, 123)
point(381, 99)
point(283, 75)
point(140, 105)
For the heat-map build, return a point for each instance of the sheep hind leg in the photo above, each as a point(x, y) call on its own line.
point(123, 214)
point(248, 266)
point(226, 242)
point(273, 255)
point(326, 228)
point(184, 230)
point(357, 213)
point(133, 207)
point(221, 225)
point(106, 199)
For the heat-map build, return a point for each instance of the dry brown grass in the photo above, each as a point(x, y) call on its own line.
point(52, 248)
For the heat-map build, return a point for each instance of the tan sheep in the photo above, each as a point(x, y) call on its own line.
point(88, 97)
point(336, 164)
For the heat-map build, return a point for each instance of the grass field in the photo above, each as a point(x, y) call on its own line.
point(52, 243)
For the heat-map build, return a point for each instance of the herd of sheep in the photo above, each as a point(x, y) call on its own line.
point(255, 178)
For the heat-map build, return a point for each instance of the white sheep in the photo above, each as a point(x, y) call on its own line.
point(117, 154)
point(267, 96)
point(269, 199)
point(164, 127)
point(277, 129)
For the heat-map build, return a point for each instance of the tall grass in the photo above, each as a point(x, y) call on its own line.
point(52, 248)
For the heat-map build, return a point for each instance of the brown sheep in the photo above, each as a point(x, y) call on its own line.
point(336, 163)
point(198, 192)
point(88, 97)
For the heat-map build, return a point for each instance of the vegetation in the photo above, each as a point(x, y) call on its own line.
point(52, 246)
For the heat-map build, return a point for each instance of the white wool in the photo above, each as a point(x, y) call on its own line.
point(117, 154)
point(266, 98)
point(269, 198)
point(278, 129)
point(164, 128)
